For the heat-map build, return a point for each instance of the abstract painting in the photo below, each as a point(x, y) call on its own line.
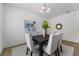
point(29, 25)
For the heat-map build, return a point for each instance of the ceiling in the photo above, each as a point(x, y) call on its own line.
point(56, 8)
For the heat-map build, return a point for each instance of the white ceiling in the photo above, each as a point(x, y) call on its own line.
point(56, 8)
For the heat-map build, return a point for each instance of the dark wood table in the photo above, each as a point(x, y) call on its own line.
point(40, 40)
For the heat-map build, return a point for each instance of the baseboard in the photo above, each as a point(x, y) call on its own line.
point(73, 44)
point(16, 45)
point(64, 41)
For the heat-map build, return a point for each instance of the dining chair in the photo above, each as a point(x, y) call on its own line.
point(51, 47)
point(29, 43)
point(60, 42)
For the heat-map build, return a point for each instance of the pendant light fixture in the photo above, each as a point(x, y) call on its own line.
point(44, 8)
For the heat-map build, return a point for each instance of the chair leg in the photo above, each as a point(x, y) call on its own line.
point(61, 48)
point(58, 52)
point(27, 51)
point(31, 53)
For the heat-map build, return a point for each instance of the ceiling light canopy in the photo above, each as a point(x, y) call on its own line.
point(44, 8)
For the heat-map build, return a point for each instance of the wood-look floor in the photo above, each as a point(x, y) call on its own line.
point(7, 51)
point(73, 44)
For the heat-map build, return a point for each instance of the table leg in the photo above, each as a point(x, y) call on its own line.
point(40, 49)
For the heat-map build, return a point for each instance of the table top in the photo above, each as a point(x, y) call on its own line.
point(40, 38)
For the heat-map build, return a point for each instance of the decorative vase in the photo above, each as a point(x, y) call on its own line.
point(44, 32)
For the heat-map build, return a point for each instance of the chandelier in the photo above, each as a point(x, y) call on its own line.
point(44, 8)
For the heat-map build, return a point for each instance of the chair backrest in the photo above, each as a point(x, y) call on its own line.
point(52, 43)
point(29, 41)
point(60, 38)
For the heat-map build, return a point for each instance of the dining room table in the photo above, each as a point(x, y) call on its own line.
point(40, 39)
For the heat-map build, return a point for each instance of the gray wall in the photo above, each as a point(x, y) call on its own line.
point(14, 25)
point(1, 37)
point(70, 22)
